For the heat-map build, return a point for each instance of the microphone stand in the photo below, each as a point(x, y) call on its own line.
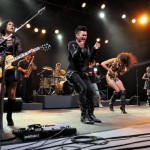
point(137, 88)
point(7, 136)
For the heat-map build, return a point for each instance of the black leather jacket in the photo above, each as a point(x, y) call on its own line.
point(79, 57)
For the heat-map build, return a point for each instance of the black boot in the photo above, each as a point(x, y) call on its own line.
point(149, 99)
point(123, 102)
point(93, 118)
point(85, 118)
point(112, 100)
point(122, 108)
point(10, 106)
point(111, 107)
point(91, 112)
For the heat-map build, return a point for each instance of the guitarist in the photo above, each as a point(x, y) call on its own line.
point(26, 67)
point(92, 72)
point(12, 46)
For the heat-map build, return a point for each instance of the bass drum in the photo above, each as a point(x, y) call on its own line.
point(65, 88)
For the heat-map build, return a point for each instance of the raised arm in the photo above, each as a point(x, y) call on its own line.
point(144, 77)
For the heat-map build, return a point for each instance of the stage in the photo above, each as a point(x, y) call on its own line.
point(113, 123)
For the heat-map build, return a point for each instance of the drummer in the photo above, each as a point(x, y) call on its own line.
point(59, 73)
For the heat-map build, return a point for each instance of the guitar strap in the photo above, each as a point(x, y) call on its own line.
point(14, 44)
point(14, 53)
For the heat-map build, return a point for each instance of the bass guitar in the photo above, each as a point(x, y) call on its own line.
point(10, 59)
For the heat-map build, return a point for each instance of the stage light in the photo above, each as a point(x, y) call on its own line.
point(133, 20)
point(59, 36)
point(123, 16)
point(36, 29)
point(43, 31)
point(98, 40)
point(56, 31)
point(143, 20)
point(83, 5)
point(102, 6)
point(106, 41)
point(28, 25)
point(0, 22)
point(102, 15)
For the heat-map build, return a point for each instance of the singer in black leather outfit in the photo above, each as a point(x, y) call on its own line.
point(79, 56)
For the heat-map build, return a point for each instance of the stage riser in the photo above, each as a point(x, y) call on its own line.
point(63, 101)
point(50, 102)
point(32, 106)
point(57, 101)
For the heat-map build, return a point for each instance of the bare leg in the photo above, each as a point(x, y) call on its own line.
point(11, 89)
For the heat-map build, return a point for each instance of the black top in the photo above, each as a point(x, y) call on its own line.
point(13, 47)
point(94, 74)
point(23, 64)
point(79, 57)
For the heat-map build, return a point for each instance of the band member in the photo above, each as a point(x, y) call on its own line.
point(146, 77)
point(58, 72)
point(26, 67)
point(13, 47)
point(79, 54)
point(94, 78)
point(115, 67)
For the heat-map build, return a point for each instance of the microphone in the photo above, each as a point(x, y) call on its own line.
point(41, 10)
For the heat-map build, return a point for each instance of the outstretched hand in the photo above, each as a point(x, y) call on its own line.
point(97, 45)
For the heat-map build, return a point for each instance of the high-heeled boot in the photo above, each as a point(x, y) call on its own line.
point(123, 101)
point(122, 108)
point(112, 100)
point(149, 99)
point(10, 106)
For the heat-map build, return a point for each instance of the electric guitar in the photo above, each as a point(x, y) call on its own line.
point(10, 59)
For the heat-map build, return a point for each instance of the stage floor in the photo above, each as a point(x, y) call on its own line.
point(111, 121)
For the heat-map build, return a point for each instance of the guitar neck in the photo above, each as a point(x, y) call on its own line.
point(22, 55)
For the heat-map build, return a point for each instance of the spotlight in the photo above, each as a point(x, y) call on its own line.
point(28, 25)
point(133, 20)
point(83, 5)
point(59, 36)
point(106, 41)
point(36, 29)
point(56, 31)
point(102, 15)
point(98, 40)
point(123, 16)
point(43, 31)
point(143, 20)
point(102, 6)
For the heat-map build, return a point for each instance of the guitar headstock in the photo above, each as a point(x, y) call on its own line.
point(45, 47)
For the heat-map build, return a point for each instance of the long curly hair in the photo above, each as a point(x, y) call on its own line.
point(3, 26)
point(127, 59)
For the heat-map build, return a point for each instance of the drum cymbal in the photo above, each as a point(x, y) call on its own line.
point(62, 72)
point(47, 68)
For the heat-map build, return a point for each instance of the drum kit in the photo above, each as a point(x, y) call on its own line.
point(50, 84)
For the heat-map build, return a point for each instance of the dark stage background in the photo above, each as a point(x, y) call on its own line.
point(65, 15)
